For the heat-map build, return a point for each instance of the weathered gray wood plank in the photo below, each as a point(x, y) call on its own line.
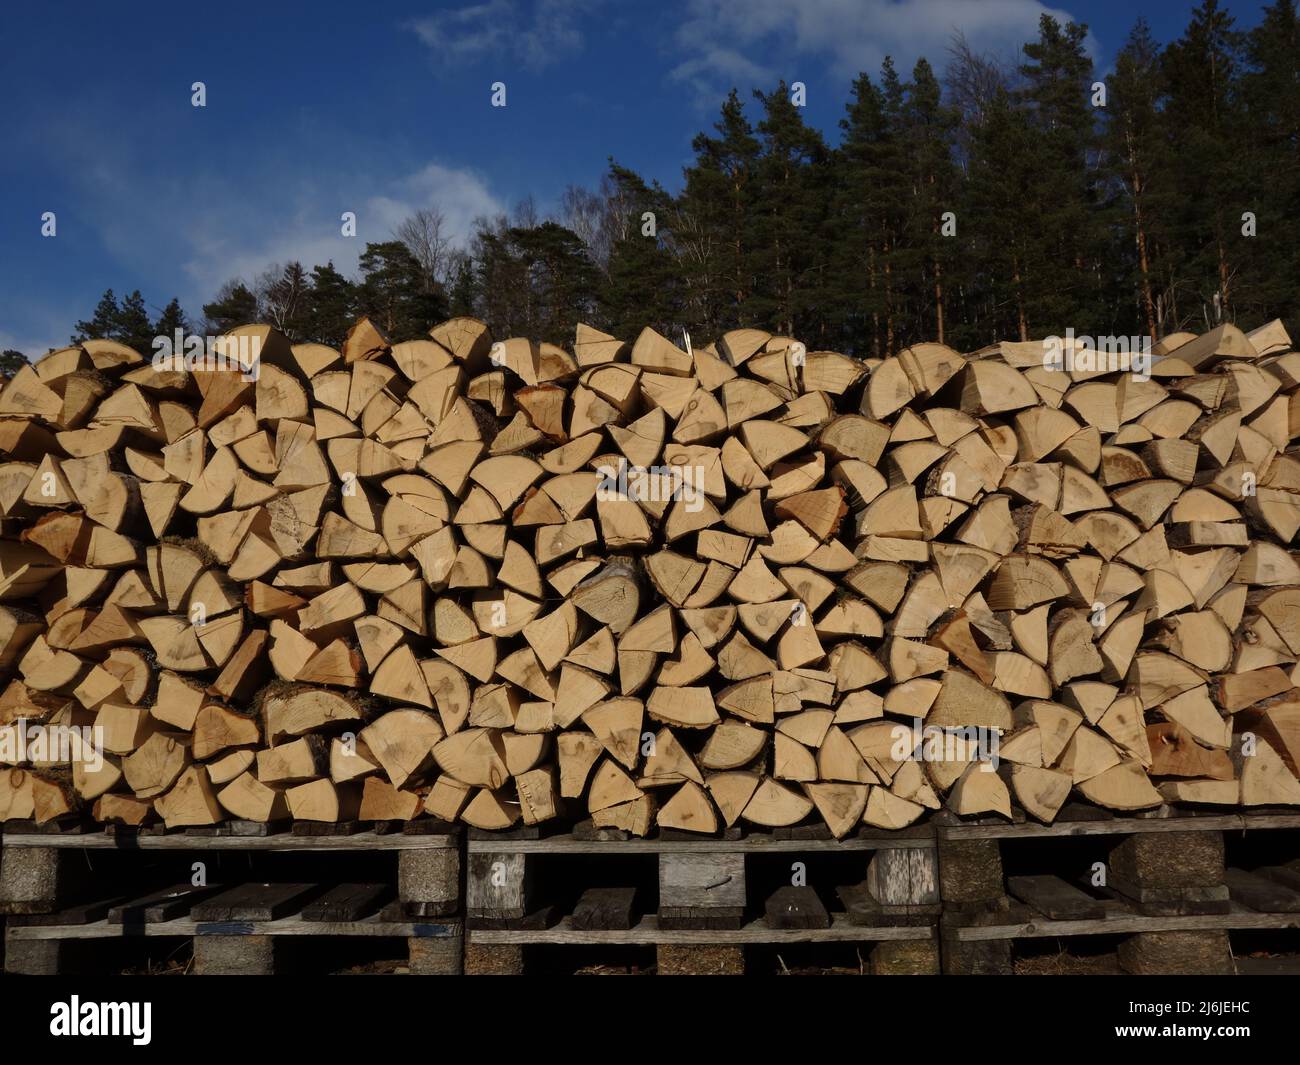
point(254, 902)
point(569, 845)
point(1121, 924)
point(648, 931)
point(1056, 899)
point(1124, 826)
point(285, 926)
point(362, 841)
point(1262, 894)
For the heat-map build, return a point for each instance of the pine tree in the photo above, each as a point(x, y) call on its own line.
point(171, 319)
point(564, 276)
point(463, 295)
point(1138, 164)
point(235, 305)
point(133, 327)
point(1270, 91)
point(716, 219)
point(927, 138)
point(870, 178)
point(787, 218)
point(890, 176)
point(1003, 241)
point(393, 293)
point(1059, 272)
point(534, 280)
point(642, 283)
point(331, 306)
point(102, 325)
point(1202, 123)
point(504, 295)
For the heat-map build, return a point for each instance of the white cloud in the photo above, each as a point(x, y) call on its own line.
point(725, 43)
point(460, 195)
point(309, 230)
point(536, 34)
point(715, 67)
point(185, 231)
point(209, 231)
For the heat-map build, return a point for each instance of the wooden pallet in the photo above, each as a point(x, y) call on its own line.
point(235, 930)
point(234, 926)
point(1165, 888)
point(694, 900)
point(708, 909)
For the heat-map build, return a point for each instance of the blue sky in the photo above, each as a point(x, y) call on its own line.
point(316, 109)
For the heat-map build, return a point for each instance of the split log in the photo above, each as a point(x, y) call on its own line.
point(470, 579)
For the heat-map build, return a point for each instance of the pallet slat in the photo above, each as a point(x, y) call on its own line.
point(285, 926)
point(1260, 893)
point(164, 905)
point(1054, 898)
point(184, 841)
point(647, 931)
point(347, 902)
point(1127, 922)
point(1175, 822)
point(253, 902)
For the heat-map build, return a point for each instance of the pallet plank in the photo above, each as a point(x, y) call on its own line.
point(286, 841)
point(648, 930)
point(1262, 894)
point(567, 844)
point(1287, 875)
point(1124, 924)
point(348, 902)
point(864, 909)
point(284, 926)
point(1056, 899)
point(254, 902)
point(80, 914)
point(1120, 826)
point(1173, 901)
point(164, 905)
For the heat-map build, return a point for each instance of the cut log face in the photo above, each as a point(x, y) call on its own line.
point(503, 580)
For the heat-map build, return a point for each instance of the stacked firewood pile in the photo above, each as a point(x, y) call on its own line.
point(647, 584)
